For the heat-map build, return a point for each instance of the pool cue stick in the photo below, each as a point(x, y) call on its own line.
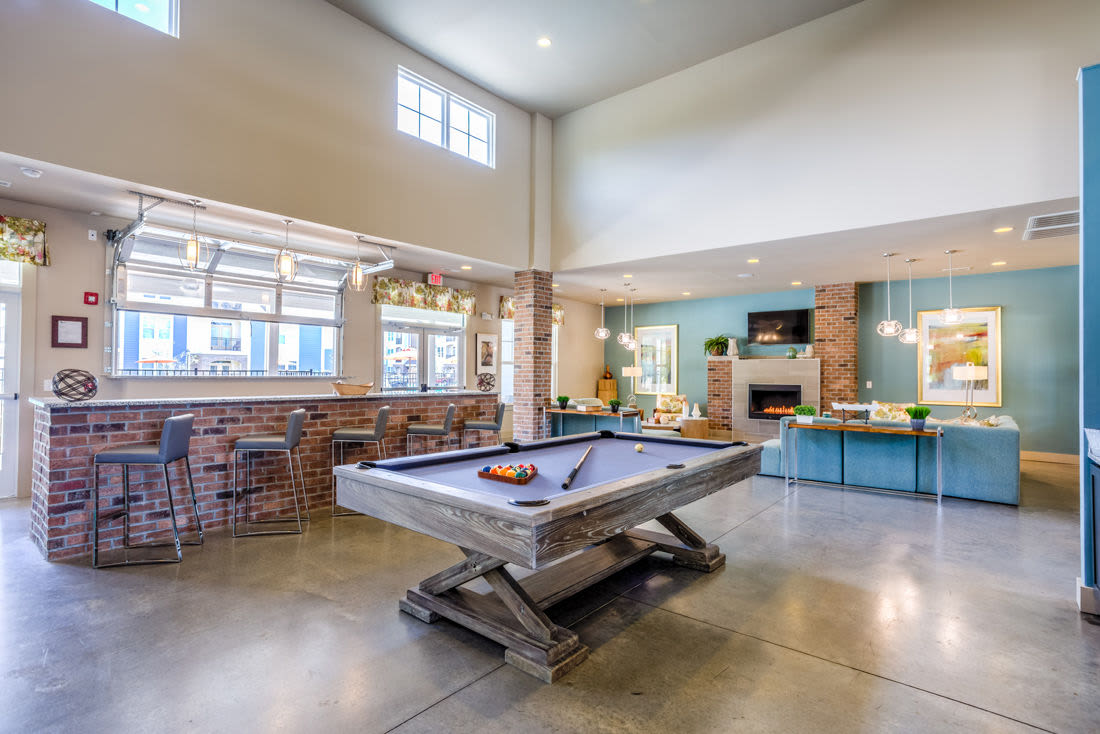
point(577, 468)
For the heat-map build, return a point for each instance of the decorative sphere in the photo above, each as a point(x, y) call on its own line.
point(75, 385)
point(639, 448)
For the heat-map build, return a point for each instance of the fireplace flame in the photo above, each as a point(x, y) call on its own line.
point(779, 410)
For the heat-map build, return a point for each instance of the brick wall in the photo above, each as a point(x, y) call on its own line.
point(836, 342)
point(533, 334)
point(67, 436)
point(720, 393)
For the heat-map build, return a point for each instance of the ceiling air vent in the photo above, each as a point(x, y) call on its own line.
point(1045, 226)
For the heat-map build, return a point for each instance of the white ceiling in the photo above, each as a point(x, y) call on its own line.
point(599, 47)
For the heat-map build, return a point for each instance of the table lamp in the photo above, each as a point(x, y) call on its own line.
point(970, 373)
point(635, 372)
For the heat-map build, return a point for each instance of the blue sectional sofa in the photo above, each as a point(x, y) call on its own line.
point(979, 462)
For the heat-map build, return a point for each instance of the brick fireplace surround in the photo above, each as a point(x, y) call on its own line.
point(66, 435)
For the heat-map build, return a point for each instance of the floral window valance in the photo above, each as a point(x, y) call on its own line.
point(411, 294)
point(508, 310)
point(23, 240)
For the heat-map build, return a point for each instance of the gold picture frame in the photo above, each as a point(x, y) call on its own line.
point(658, 357)
point(943, 346)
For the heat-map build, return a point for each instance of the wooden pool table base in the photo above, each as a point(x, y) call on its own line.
point(513, 615)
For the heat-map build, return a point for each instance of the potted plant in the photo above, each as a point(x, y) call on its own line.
point(804, 413)
point(917, 415)
point(717, 345)
point(614, 404)
point(563, 401)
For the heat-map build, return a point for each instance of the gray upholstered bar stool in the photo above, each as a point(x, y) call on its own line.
point(260, 442)
point(175, 440)
point(429, 429)
point(358, 434)
point(493, 425)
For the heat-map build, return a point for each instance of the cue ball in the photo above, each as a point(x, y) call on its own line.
point(639, 448)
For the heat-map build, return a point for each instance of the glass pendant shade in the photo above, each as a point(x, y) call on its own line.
point(909, 336)
point(194, 253)
point(286, 262)
point(623, 338)
point(951, 315)
point(889, 326)
point(357, 279)
point(602, 332)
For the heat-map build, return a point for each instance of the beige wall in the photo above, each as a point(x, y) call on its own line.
point(284, 107)
point(886, 111)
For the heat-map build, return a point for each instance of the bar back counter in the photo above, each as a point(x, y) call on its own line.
point(67, 435)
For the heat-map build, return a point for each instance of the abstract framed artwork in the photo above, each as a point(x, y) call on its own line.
point(945, 346)
point(657, 356)
point(486, 351)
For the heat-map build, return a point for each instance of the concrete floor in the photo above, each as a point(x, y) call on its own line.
point(837, 611)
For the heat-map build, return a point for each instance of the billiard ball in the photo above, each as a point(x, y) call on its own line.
point(639, 448)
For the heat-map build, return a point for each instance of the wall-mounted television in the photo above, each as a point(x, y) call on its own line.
point(780, 327)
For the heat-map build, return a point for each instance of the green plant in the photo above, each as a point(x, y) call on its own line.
point(614, 403)
point(717, 345)
point(562, 398)
point(918, 412)
point(805, 410)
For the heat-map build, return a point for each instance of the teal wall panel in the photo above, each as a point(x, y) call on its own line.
point(1039, 350)
point(1089, 408)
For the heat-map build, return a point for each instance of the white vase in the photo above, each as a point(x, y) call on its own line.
point(695, 411)
point(804, 418)
point(809, 351)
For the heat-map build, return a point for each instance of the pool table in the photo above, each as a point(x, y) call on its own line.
point(570, 538)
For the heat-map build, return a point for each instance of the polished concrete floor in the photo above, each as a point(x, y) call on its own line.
point(837, 611)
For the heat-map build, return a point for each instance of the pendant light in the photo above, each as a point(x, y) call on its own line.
point(889, 327)
point(910, 335)
point(357, 279)
point(631, 343)
point(194, 253)
point(624, 335)
point(603, 332)
point(286, 262)
point(951, 315)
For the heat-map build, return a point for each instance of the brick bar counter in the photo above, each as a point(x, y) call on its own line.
point(67, 435)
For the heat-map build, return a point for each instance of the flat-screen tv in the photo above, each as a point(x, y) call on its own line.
point(780, 327)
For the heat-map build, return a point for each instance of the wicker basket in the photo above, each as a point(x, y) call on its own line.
point(342, 388)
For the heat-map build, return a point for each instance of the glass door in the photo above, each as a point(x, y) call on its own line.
point(9, 395)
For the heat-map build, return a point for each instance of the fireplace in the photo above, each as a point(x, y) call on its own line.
point(772, 402)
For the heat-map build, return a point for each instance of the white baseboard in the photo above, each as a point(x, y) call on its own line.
point(1050, 458)
point(1088, 598)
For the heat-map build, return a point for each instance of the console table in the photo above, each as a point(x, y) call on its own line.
point(792, 444)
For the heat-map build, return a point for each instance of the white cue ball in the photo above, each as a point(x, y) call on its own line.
point(639, 448)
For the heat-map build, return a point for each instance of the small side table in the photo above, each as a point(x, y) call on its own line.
point(694, 428)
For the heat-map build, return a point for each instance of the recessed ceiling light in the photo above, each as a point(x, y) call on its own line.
point(544, 42)
point(95, 213)
point(555, 285)
point(999, 263)
point(30, 172)
point(467, 267)
point(620, 299)
point(5, 184)
point(746, 275)
point(686, 293)
point(1002, 230)
point(627, 275)
point(753, 260)
point(796, 282)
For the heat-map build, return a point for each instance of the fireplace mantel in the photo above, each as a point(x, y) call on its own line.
point(803, 372)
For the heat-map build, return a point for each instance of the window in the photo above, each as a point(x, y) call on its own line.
point(232, 318)
point(163, 15)
point(431, 113)
point(508, 365)
point(422, 347)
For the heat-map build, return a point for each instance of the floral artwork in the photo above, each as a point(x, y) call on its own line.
point(977, 340)
point(508, 310)
point(23, 240)
point(396, 292)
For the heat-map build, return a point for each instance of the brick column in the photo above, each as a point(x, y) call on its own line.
point(533, 332)
point(836, 342)
point(720, 393)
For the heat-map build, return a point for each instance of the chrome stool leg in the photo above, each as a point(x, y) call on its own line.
point(248, 490)
point(194, 502)
point(301, 479)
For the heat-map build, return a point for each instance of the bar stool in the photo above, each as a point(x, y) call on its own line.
point(494, 425)
point(175, 440)
point(284, 443)
point(358, 434)
point(429, 429)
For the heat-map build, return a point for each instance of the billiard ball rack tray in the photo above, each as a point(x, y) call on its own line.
point(510, 480)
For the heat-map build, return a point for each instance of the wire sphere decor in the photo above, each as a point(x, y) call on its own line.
point(486, 381)
point(75, 385)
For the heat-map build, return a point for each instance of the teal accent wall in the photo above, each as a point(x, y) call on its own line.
point(1039, 347)
point(698, 320)
point(1089, 338)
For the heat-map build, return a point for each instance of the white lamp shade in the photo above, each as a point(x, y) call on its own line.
point(970, 371)
point(632, 371)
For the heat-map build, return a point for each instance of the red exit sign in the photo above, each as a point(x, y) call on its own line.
point(435, 278)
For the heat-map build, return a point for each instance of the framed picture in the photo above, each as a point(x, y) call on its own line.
point(946, 346)
point(486, 351)
point(657, 357)
point(69, 331)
